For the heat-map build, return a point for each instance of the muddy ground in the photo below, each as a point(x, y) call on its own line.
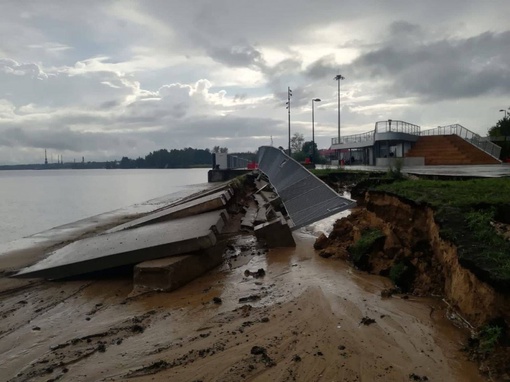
point(304, 318)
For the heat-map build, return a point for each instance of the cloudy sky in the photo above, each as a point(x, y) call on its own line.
point(106, 79)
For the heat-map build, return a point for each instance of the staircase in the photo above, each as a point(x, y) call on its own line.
point(449, 150)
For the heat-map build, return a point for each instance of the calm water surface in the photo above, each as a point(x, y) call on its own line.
point(34, 201)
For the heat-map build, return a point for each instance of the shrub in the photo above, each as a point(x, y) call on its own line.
point(360, 250)
point(395, 170)
point(489, 336)
point(402, 275)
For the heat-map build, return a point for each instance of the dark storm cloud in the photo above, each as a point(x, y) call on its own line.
point(445, 69)
point(243, 55)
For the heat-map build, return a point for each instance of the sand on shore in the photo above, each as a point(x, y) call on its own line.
point(307, 319)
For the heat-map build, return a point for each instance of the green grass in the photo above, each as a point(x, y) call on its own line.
point(464, 210)
point(326, 171)
point(364, 245)
point(398, 274)
point(454, 192)
point(489, 336)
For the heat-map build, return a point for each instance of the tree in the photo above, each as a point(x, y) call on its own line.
point(498, 134)
point(296, 142)
point(307, 148)
point(502, 128)
point(218, 149)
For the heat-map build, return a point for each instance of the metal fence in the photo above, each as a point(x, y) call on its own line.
point(236, 162)
point(355, 138)
point(306, 198)
point(483, 143)
point(380, 127)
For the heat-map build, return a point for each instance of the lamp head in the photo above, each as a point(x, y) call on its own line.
point(316, 100)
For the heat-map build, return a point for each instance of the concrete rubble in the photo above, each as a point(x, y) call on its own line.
point(175, 244)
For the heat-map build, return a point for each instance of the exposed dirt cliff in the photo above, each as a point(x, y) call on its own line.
point(411, 236)
point(404, 243)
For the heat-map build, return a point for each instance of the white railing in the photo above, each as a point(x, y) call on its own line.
point(483, 143)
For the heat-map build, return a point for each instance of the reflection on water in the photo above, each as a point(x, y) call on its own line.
point(32, 201)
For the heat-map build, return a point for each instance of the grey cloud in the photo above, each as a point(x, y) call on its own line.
point(322, 68)
point(26, 83)
point(244, 133)
point(445, 69)
point(243, 55)
point(239, 97)
point(58, 139)
point(399, 28)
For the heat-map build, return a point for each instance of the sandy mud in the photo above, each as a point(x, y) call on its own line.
point(304, 318)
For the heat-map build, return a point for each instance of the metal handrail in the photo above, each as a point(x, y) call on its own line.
point(397, 127)
point(484, 143)
point(380, 127)
point(355, 138)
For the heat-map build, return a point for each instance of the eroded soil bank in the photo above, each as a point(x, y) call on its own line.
point(407, 247)
point(306, 318)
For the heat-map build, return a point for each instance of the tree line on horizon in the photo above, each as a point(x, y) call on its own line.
point(177, 158)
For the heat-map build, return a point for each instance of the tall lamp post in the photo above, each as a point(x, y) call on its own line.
point(338, 78)
point(504, 112)
point(289, 94)
point(313, 129)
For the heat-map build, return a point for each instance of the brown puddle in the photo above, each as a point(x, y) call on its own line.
point(310, 319)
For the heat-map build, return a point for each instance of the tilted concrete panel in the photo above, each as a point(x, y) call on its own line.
point(306, 198)
point(196, 206)
point(174, 237)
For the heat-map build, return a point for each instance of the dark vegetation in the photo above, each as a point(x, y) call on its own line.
point(466, 211)
point(361, 249)
point(187, 157)
point(498, 134)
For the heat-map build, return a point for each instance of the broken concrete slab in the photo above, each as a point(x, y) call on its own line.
point(275, 233)
point(196, 206)
point(171, 238)
point(261, 215)
point(170, 273)
point(249, 217)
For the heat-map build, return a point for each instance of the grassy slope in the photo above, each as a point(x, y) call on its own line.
point(464, 211)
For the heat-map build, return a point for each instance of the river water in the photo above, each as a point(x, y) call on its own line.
point(32, 201)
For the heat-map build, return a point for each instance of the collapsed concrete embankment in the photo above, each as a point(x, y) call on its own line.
point(173, 245)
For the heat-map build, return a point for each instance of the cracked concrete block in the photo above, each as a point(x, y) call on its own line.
point(276, 233)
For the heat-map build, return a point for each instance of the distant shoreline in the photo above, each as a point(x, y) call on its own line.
point(89, 166)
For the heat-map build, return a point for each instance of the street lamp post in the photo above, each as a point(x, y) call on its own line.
point(338, 78)
point(313, 129)
point(289, 94)
point(503, 110)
